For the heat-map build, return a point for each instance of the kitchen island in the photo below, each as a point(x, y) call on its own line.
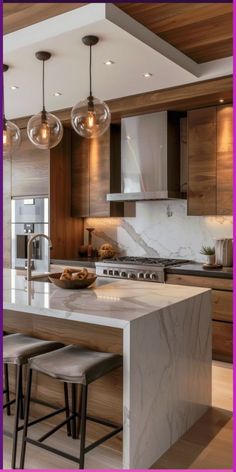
point(164, 333)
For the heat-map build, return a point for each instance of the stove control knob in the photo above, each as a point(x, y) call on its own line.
point(131, 276)
point(147, 276)
point(123, 274)
point(140, 275)
point(153, 276)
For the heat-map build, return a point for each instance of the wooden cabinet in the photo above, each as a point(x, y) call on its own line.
point(95, 171)
point(210, 161)
point(66, 232)
point(224, 160)
point(30, 169)
point(222, 311)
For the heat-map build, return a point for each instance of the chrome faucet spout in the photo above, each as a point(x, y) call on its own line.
point(29, 251)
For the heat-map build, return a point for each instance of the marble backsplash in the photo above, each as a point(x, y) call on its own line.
point(161, 229)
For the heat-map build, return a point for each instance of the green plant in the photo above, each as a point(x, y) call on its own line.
point(207, 251)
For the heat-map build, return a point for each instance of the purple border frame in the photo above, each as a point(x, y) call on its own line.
point(1, 200)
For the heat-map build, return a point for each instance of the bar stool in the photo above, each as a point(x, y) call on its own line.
point(78, 366)
point(17, 349)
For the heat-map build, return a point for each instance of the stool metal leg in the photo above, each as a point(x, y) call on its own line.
point(83, 425)
point(73, 408)
point(7, 392)
point(21, 398)
point(67, 408)
point(16, 419)
point(26, 420)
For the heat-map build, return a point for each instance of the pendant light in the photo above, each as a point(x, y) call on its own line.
point(44, 130)
point(11, 132)
point(90, 118)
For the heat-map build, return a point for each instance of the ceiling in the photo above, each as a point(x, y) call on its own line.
point(133, 48)
point(203, 31)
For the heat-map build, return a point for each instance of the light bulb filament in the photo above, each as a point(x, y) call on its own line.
point(45, 131)
point(91, 119)
point(4, 137)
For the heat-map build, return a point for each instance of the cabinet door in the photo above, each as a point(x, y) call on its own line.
point(224, 159)
point(222, 341)
point(202, 162)
point(79, 176)
point(30, 169)
point(99, 175)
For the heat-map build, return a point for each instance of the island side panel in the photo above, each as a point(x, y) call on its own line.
point(167, 378)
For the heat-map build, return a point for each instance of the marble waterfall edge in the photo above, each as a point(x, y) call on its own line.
point(169, 362)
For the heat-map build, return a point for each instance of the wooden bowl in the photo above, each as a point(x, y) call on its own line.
point(72, 284)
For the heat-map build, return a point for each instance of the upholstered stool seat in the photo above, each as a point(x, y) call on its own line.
point(75, 364)
point(18, 348)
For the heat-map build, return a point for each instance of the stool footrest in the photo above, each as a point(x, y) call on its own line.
point(9, 403)
point(56, 428)
point(52, 449)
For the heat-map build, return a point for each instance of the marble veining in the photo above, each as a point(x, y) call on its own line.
point(161, 229)
point(166, 351)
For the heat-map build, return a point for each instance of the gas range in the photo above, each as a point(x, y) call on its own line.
point(151, 269)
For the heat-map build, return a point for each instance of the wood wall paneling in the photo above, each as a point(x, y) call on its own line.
point(30, 169)
point(224, 160)
point(66, 232)
point(181, 98)
point(183, 156)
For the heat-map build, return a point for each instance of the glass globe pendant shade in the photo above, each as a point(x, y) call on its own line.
point(90, 119)
point(45, 130)
point(11, 137)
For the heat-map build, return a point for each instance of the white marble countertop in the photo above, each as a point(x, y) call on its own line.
point(107, 302)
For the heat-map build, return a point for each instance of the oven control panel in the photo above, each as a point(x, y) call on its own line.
point(130, 272)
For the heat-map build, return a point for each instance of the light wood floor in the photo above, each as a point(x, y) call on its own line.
point(208, 445)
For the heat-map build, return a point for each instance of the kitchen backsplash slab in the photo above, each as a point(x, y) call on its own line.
point(161, 229)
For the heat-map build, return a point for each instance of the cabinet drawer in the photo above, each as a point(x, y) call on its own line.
point(222, 341)
point(198, 281)
point(222, 305)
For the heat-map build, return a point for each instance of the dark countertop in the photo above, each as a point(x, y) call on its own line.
point(193, 268)
point(80, 262)
point(196, 268)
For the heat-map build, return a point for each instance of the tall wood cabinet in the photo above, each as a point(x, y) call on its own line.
point(95, 171)
point(210, 160)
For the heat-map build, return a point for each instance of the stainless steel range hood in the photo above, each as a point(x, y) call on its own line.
point(150, 157)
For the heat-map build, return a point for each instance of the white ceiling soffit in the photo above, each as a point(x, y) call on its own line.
point(132, 47)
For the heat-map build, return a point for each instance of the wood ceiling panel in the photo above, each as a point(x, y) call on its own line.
point(203, 31)
point(20, 15)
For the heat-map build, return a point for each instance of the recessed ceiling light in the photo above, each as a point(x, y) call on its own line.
point(221, 100)
point(57, 94)
point(147, 74)
point(109, 63)
point(14, 87)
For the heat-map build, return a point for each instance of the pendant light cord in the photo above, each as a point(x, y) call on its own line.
point(90, 71)
point(3, 101)
point(43, 91)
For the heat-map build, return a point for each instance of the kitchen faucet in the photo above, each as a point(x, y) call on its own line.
point(29, 253)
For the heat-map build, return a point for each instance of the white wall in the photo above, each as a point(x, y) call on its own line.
point(161, 229)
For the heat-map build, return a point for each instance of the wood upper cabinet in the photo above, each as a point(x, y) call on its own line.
point(95, 169)
point(30, 169)
point(224, 160)
point(210, 161)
